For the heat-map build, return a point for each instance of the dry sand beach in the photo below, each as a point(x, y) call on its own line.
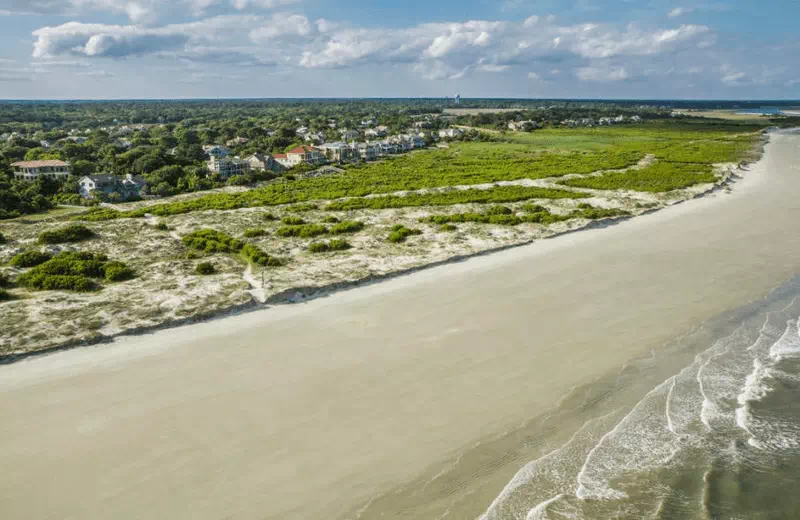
point(412, 398)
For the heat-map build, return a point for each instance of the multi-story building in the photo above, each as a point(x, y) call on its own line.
point(228, 166)
point(32, 170)
point(339, 152)
point(301, 154)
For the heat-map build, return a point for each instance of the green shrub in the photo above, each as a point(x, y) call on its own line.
point(330, 220)
point(301, 208)
point(498, 210)
point(449, 227)
point(3, 239)
point(205, 268)
point(400, 233)
point(269, 216)
point(4, 295)
point(73, 271)
point(117, 272)
point(293, 221)
point(99, 215)
point(658, 177)
point(71, 233)
point(212, 241)
point(193, 255)
point(302, 231)
point(162, 226)
point(5, 281)
point(30, 259)
point(350, 226)
point(254, 232)
point(257, 256)
point(334, 245)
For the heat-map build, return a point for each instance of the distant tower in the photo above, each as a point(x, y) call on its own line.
point(458, 99)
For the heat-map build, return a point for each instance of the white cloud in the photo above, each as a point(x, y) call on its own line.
point(602, 73)
point(680, 11)
point(282, 25)
point(534, 76)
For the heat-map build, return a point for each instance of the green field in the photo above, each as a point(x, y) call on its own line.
point(548, 153)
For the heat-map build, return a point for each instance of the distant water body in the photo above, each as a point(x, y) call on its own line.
point(762, 111)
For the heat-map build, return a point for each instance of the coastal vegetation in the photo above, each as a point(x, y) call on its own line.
point(70, 233)
point(205, 268)
point(657, 177)
point(74, 271)
point(348, 226)
point(3, 239)
point(211, 241)
point(302, 230)
point(30, 258)
point(400, 233)
point(254, 232)
point(325, 247)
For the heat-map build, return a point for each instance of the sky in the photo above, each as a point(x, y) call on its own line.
point(624, 49)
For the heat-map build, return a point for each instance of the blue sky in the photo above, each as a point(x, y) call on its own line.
point(67, 49)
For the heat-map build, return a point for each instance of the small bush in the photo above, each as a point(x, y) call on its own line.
point(71, 233)
point(302, 231)
point(269, 216)
point(30, 259)
point(400, 233)
point(301, 208)
point(333, 245)
point(449, 227)
point(293, 221)
point(3, 239)
point(254, 232)
point(257, 256)
point(330, 220)
point(351, 226)
point(4, 295)
point(205, 268)
point(117, 272)
point(498, 210)
point(193, 255)
point(212, 241)
point(5, 281)
point(162, 226)
point(60, 282)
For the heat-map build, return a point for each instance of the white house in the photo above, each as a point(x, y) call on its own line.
point(349, 135)
point(128, 187)
point(236, 141)
point(522, 126)
point(450, 133)
point(339, 152)
point(301, 154)
point(314, 137)
point(368, 152)
point(32, 170)
point(228, 166)
point(378, 131)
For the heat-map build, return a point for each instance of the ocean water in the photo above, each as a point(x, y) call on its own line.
point(720, 438)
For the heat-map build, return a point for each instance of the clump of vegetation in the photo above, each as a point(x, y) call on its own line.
point(292, 220)
point(74, 271)
point(590, 212)
point(254, 232)
point(449, 228)
point(302, 231)
point(535, 214)
point(99, 215)
point(212, 241)
point(400, 233)
point(333, 245)
point(302, 208)
point(71, 233)
point(4, 295)
point(269, 216)
point(117, 272)
point(348, 226)
point(205, 268)
point(30, 259)
point(5, 281)
point(162, 226)
point(656, 178)
point(330, 220)
point(3, 239)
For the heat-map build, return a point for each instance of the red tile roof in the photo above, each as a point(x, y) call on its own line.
point(39, 164)
point(304, 149)
point(280, 156)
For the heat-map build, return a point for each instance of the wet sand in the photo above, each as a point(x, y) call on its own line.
point(310, 411)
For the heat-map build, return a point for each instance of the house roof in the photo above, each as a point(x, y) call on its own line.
point(280, 156)
point(301, 149)
point(260, 156)
point(103, 178)
point(39, 164)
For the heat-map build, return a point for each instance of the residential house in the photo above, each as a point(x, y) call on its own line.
point(450, 133)
point(228, 166)
point(423, 124)
point(586, 121)
point(303, 130)
point(260, 161)
point(78, 139)
point(636, 119)
point(378, 131)
point(522, 126)
point(123, 143)
point(369, 122)
point(349, 135)
point(314, 137)
point(339, 152)
point(216, 151)
point(32, 170)
point(237, 141)
point(128, 187)
point(367, 152)
point(301, 154)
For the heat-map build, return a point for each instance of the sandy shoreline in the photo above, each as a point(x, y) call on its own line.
point(313, 410)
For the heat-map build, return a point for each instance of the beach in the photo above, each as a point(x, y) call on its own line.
point(412, 398)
